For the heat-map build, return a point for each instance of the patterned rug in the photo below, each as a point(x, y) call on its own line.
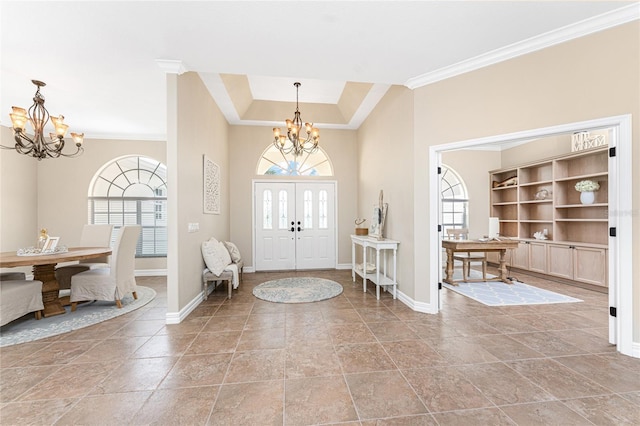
point(28, 329)
point(297, 290)
point(497, 293)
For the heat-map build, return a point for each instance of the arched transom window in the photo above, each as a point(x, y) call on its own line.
point(274, 162)
point(455, 202)
point(133, 190)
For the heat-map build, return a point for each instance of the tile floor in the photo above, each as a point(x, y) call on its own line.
point(349, 360)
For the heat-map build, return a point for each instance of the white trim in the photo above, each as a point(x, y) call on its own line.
point(423, 307)
point(178, 317)
point(580, 29)
point(620, 248)
point(344, 266)
point(635, 352)
point(150, 272)
point(172, 66)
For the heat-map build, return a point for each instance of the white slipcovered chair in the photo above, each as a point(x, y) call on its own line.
point(114, 282)
point(18, 298)
point(467, 257)
point(223, 263)
point(92, 236)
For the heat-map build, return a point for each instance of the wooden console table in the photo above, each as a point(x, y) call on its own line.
point(478, 246)
point(379, 278)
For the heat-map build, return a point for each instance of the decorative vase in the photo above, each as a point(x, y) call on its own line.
point(587, 197)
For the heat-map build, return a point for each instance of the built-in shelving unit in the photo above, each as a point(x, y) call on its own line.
point(542, 198)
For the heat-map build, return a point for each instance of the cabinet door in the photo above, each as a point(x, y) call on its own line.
point(520, 256)
point(560, 261)
point(590, 265)
point(538, 257)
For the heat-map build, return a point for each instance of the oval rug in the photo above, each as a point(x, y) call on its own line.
point(297, 290)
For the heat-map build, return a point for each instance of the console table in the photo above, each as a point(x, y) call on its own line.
point(379, 278)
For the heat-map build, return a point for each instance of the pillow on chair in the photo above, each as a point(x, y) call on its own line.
point(233, 251)
point(215, 255)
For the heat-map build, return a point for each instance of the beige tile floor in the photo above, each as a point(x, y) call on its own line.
point(349, 360)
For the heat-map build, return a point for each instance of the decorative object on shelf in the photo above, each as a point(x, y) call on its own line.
point(211, 195)
point(541, 235)
point(376, 229)
point(586, 189)
point(513, 180)
point(37, 145)
point(360, 230)
point(584, 140)
point(292, 144)
point(543, 194)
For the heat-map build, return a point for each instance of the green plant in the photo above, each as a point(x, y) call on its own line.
point(587, 186)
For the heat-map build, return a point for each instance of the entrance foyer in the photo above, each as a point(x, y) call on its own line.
point(294, 225)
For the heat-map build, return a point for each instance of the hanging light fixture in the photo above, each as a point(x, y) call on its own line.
point(37, 145)
point(291, 143)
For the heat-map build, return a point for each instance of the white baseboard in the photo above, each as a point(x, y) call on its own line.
point(151, 273)
point(178, 317)
point(635, 350)
point(343, 266)
point(427, 308)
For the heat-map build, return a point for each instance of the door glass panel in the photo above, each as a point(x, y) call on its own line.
point(322, 210)
point(308, 209)
point(282, 209)
point(266, 210)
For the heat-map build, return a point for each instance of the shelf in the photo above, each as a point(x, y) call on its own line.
point(580, 177)
point(580, 206)
point(542, 182)
point(536, 201)
point(502, 188)
point(582, 220)
point(506, 203)
point(508, 221)
point(537, 221)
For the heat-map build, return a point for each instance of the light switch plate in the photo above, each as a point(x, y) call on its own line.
point(194, 227)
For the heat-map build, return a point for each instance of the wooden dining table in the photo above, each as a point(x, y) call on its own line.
point(44, 267)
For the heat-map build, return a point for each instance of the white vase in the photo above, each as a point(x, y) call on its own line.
point(587, 197)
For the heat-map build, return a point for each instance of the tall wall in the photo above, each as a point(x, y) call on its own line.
point(196, 127)
point(592, 77)
point(385, 160)
point(246, 145)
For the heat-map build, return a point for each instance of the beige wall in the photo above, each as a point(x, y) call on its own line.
point(197, 128)
point(53, 193)
point(18, 198)
point(246, 145)
point(592, 77)
point(385, 161)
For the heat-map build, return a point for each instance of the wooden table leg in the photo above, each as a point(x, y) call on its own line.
point(449, 269)
point(50, 289)
point(503, 267)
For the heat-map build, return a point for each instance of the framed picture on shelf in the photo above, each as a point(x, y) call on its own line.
point(50, 245)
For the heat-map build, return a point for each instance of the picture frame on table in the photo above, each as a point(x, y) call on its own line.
point(378, 217)
point(50, 245)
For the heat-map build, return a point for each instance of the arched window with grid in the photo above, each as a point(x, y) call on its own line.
point(454, 200)
point(132, 190)
point(274, 162)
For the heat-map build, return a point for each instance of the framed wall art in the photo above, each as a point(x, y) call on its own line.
point(211, 187)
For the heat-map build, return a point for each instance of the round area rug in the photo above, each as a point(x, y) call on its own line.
point(28, 329)
point(297, 290)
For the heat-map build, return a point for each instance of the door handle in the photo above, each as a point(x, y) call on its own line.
point(300, 229)
point(292, 229)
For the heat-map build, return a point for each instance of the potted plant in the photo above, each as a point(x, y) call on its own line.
point(586, 189)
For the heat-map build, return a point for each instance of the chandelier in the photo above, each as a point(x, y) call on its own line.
point(38, 146)
point(292, 144)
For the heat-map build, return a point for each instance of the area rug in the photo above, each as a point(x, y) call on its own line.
point(28, 329)
point(497, 293)
point(297, 290)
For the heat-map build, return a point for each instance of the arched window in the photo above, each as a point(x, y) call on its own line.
point(455, 202)
point(133, 190)
point(274, 162)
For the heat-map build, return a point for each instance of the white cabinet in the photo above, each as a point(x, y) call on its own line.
point(379, 274)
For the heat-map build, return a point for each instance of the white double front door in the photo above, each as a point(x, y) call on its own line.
point(295, 225)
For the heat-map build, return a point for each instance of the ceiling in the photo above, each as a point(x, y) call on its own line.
point(105, 62)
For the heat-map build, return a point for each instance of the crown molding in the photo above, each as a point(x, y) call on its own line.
point(171, 66)
point(601, 22)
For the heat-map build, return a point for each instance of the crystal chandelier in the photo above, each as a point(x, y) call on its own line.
point(37, 145)
point(292, 144)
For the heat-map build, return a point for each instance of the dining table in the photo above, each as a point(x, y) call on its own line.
point(44, 269)
point(495, 245)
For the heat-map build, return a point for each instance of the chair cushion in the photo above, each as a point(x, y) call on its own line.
point(215, 255)
point(19, 297)
point(233, 251)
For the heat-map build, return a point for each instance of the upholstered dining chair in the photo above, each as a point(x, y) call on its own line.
point(467, 257)
point(92, 236)
point(114, 282)
point(18, 298)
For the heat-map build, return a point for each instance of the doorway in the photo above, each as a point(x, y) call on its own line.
point(294, 225)
point(620, 223)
